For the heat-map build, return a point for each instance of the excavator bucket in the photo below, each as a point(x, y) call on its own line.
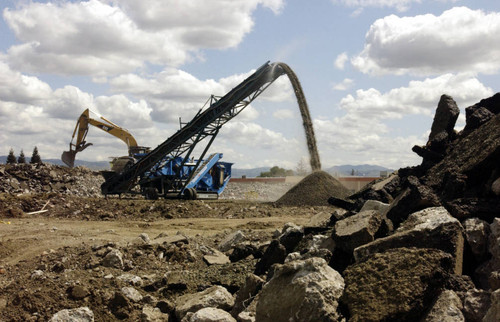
point(68, 157)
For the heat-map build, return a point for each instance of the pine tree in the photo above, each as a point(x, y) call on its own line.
point(35, 157)
point(21, 158)
point(11, 158)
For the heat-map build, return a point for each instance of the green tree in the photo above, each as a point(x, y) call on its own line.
point(21, 158)
point(11, 158)
point(276, 172)
point(35, 157)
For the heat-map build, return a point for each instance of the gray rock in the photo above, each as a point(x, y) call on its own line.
point(179, 238)
point(445, 117)
point(476, 304)
point(253, 284)
point(81, 314)
point(495, 187)
point(357, 230)
point(132, 294)
point(494, 239)
point(209, 314)
point(493, 313)
point(114, 258)
point(214, 257)
point(290, 236)
point(130, 279)
point(396, 285)
point(301, 291)
point(488, 274)
point(215, 296)
point(321, 219)
point(475, 117)
point(37, 275)
point(428, 228)
point(153, 314)
point(476, 233)
point(321, 242)
point(375, 205)
point(145, 238)
point(446, 308)
point(416, 197)
point(231, 240)
point(275, 253)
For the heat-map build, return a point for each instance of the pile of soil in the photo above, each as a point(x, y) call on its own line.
point(314, 190)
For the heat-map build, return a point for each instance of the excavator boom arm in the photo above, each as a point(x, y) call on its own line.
point(81, 130)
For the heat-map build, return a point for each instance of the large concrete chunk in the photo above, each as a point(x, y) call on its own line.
point(493, 313)
point(209, 314)
point(81, 314)
point(428, 228)
point(397, 285)
point(476, 233)
point(445, 118)
point(417, 196)
point(488, 274)
point(275, 253)
point(215, 296)
point(301, 291)
point(446, 308)
point(253, 284)
point(357, 230)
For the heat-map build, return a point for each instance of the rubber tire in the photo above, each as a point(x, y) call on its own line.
point(195, 194)
point(190, 194)
point(151, 193)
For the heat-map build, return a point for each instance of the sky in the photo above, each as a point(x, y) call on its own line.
point(372, 71)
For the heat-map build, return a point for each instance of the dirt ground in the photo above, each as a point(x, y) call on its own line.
point(53, 260)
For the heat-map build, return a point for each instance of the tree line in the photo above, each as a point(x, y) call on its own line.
point(35, 157)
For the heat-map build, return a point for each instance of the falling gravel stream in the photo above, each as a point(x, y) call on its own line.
point(306, 117)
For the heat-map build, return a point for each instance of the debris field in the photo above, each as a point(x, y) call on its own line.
point(420, 245)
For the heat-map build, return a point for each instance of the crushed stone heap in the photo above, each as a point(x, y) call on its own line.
point(314, 190)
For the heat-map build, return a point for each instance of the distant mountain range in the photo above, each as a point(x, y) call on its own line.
point(363, 170)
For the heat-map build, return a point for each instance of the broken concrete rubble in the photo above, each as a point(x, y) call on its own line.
point(428, 228)
point(301, 291)
point(397, 285)
point(412, 273)
point(447, 307)
point(81, 314)
point(357, 230)
point(215, 296)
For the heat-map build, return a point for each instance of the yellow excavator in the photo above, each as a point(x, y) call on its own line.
point(118, 164)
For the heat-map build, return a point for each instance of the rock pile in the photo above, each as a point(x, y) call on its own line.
point(39, 178)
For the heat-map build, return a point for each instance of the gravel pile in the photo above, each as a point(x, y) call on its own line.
point(314, 190)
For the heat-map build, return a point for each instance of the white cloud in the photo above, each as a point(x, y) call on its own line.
point(344, 85)
point(284, 114)
point(363, 134)
point(418, 98)
point(459, 40)
point(15, 87)
point(341, 60)
point(102, 38)
point(400, 5)
point(174, 93)
point(253, 135)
